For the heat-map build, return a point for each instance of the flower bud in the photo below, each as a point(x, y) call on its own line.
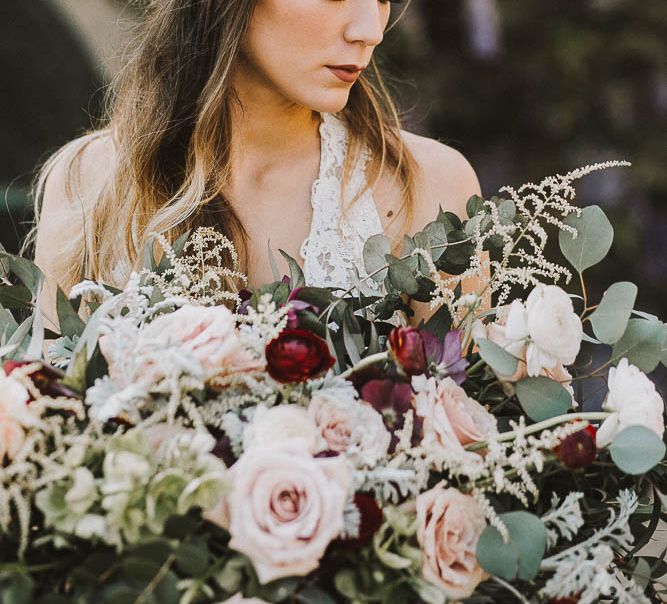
point(407, 347)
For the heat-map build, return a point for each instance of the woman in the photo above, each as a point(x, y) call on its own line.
point(227, 114)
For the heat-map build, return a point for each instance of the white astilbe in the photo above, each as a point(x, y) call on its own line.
point(204, 273)
point(351, 520)
point(390, 483)
point(260, 326)
point(523, 239)
point(587, 568)
point(564, 519)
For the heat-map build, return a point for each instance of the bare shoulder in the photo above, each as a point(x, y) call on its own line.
point(68, 182)
point(445, 178)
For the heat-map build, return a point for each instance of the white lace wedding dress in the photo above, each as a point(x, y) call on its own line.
point(334, 247)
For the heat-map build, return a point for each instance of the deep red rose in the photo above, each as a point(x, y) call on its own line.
point(297, 355)
point(407, 347)
point(578, 450)
point(567, 600)
point(46, 378)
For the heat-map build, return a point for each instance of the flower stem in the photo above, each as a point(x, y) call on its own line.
point(547, 423)
point(367, 362)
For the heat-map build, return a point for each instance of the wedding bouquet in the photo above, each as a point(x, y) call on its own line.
point(192, 442)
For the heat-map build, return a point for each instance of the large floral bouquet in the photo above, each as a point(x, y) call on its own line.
point(300, 444)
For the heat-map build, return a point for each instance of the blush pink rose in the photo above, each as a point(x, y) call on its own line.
point(209, 333)
point(449, 524)
point(284, 509)
point(451, 418)
point(15, 416)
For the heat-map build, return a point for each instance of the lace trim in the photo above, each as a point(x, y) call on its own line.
point(333, 250)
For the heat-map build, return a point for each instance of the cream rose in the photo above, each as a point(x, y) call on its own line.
point(281, 425)
point(209, 333)
point(348, 425)
point(448, 527)
point(451, 418)
point(549, 325)
point(15, 416)
point(284, 509)
point(633, 401)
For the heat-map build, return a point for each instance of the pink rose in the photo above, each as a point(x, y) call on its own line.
point(449, 524)
point(15, 416)
point(209, 333)
point(348, 425)
point(284, 509)
point(451, 418)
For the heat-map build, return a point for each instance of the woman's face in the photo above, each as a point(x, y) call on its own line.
point(293, 48)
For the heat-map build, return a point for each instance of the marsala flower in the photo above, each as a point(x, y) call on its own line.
point(578, 450)
point(407, 347)
point(371, 518)
point(297, 355)
point(46, 378)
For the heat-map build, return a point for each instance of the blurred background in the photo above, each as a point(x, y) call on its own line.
point(523, 88)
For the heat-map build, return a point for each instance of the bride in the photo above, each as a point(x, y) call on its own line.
point(267, 119)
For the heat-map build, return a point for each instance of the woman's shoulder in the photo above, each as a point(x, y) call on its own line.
point(76, 170)
point(444, 178)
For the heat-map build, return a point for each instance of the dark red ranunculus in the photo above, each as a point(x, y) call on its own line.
point(46, 378)
point(578, 450)
point(297, 355)
point(407, 347)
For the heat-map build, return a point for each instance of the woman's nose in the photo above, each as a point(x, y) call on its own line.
point(366, 24)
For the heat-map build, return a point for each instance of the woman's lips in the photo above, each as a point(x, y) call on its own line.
point(346, 74)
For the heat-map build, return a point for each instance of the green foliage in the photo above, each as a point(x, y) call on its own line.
point(542, 398)
point(636, 450)
point(520, 557)
point(642, 344)
point(496, 357)
point(592, 242)
point(611, 318)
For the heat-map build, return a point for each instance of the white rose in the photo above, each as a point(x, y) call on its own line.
point(549, 325)
point(348, 425)
point(633, 401)
point(284, 509)
point(280, 425)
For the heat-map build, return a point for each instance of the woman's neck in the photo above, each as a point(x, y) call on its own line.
point(269, 126)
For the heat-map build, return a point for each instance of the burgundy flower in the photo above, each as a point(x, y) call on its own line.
point(566, 600)
point(46, 379)
point(297, 355)
point(578, 450)
point(392, 400)
point(407, 347)
point(370, 521)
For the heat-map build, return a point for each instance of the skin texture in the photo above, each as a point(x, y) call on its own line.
point(282, 82)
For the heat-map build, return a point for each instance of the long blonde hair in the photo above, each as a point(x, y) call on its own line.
point(169, 118)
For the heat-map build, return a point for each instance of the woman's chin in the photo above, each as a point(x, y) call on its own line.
point(332, 101)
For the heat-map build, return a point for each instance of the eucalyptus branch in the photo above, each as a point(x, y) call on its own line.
point(543, 425)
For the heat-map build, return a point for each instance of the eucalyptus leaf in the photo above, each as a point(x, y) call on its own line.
point(501, 361)
point(296, 273)
point(346, 584)
point(542, 398)
point(612, 315)
point(20, 338)
point(437, 235)
point(506, 210)
point(521, 556)
point(636, 450)
point(663, 352)
point(593, 241)
point(350, 345)
point(440, 322)
point(474, 206)
point(70, 322)
point(402, 278)
point(375, 250)
point(15, 296)
point(642, 344)
point(26, 271)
